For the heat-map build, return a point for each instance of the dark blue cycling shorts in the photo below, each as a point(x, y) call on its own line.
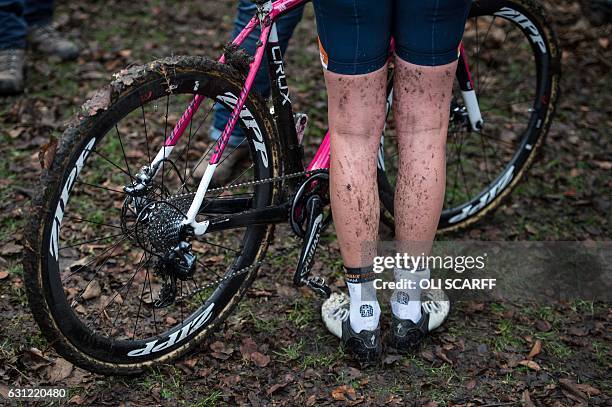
point(354, 35)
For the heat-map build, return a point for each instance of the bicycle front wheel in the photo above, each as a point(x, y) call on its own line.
point(514, 61)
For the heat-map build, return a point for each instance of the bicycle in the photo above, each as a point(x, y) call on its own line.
point(122, 234)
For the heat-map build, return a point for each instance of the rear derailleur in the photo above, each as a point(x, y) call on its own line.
point(179, 263)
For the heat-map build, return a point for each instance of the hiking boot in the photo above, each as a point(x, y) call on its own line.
point(11, 71)
point(366, 345)
point(229, 167)
point(48, 40)
point(407, 335)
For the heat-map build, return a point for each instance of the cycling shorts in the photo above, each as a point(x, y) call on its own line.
point(354, 35)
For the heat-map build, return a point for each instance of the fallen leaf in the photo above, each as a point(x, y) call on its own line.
point(248, 347)
point(427, 355)
point(275, 387)
point(571, 387)
point(60, 370)
point(310, 401)
point(230, 381)
point(352, 373)
point(578, 331)
point(570, 193)
point(535, 350)
point(33, 359)
point(588, 389)
point(93, 290)
point(344, 393)
point(47, 153)
point(526, 399)
point(543, 326)
point(76, 399)
point(260, 359)
point(10, 248)
point(191, 362)
point(3, 275)
point(16, 132)
point(125, 53)
point(220, 351)
point(442, 355)
point(391, 359)
point(474, 306)
point(530, 364)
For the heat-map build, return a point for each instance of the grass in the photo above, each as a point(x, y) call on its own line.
point(292, 352)
point(507, 336)
point(602, 353)
point(269, 325)
point(444, 372)
point(586, 308)
point(209, 401)
point(169, 381)
point(303, 313)
point(15, 269)
point(318, 360)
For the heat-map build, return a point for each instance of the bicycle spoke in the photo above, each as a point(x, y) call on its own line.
point(94, 259)
point(127, 165)
point(208, 268)
point(95, 273)
point(90, 221)
point(482, 80)
point(113, 164)
point(127, 286)
point(152, 302)
point(486, 163)
point(100, 187)
point(89, 241)
point(165, 138)
point(144, 285)
point(220, 246)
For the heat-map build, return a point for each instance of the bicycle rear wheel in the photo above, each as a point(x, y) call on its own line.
point(514, 61)
point(93, 267)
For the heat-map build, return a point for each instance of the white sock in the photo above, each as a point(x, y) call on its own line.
point(406, 302)
point(364, 308)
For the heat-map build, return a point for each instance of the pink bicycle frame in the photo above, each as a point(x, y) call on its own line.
point(266, 17)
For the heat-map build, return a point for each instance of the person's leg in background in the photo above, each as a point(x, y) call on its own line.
point(354, 38)
point(41, 33)
point(285, 27)
point(13, 31)
point(38, 12)
point(27, 21)
point(424, 74)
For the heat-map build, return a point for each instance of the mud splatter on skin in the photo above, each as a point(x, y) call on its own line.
point(421, 109)
point(356, 116)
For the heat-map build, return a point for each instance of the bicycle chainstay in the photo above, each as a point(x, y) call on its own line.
point(247, 269)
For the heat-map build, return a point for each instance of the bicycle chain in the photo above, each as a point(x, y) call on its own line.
point(247, 269)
